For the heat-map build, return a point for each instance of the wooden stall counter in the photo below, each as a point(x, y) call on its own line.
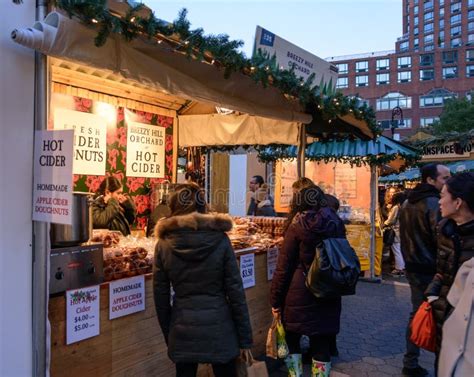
point(133, 345)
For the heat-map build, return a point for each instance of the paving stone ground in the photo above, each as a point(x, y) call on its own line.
point(372, 338)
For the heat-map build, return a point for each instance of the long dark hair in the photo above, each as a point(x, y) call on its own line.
point(308, 198)
point(462, 186)
point(110, 183)
point(186, 199)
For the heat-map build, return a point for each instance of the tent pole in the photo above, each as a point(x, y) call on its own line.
point(373, 205)
point(300, 159)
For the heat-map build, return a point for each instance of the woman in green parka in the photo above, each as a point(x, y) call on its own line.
point(112, 209)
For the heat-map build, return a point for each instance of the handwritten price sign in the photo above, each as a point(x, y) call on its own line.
point(247, 270)
point(82, 314)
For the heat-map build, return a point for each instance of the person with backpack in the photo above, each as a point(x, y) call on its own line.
point(310, 222)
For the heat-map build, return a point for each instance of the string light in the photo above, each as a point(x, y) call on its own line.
point(132, 19)
point(213, 61)
point(159, 41)
point(94, 21)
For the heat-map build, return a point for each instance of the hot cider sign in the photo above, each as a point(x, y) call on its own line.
point(145, 150)
point(90, 139)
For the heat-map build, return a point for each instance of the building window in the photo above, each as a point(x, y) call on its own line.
point(404, 76)
point(456, 42)
point(429, 38)
point(362, 66)
point(470, 15)
point(428, 5)
point(470, 3)
point(429, 47)
point(416, 31)
point(470, 26)
point(362, 80)
point(342, 82)
point(455, 19)
point(428, 122)
point(455, 31)
point(415, 10)
point(441, 12)
point(470, 39)
point(428, 28)
point(469, 70)
point(415, 21)
point(455, 8)
point(392, 100)
point(426, 60)
point(416, 43)
point(436, 98)
point(343, 68)
point(426, 74)
point(441, 3)
point(441, 24)
point(383, 64)
point(450, 72)
point(470, 55)
point(428, 16)
point(404, 62)
point(383, 79)
point(404, 46)
point(450, 57)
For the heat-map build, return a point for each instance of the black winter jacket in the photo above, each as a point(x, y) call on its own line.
point(455, 246)
point(113, 215)
point(302, 312)
point(419, 216)
point(208, 321)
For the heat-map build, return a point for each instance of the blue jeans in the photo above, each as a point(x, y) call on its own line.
point(418, 284)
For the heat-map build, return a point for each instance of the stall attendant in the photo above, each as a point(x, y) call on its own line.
point(112, 209)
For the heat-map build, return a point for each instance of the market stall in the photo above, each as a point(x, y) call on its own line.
point(349, 171)
point(126, 100)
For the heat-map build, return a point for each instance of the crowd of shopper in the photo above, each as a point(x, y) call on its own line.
point(206, 319)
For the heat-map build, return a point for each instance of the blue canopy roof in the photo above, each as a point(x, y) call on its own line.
point(347, 150)
point(414, 174)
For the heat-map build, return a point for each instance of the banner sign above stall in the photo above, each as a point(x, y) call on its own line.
point(82, 314)
point(126, 296)
point(290, 56)
point(447, 151)
point(247, 270)
point(145, 150)
point(52, 177)
point(90, 139)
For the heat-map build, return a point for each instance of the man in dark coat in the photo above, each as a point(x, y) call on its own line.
point(255, 183)
point(208, 321)
point(419, 216)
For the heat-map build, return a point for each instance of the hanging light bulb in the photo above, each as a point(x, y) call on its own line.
point(94, 21)
point(133, 19)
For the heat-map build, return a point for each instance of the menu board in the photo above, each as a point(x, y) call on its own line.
point(286, 175)
point(345, 181)
point(82, 313)
point(272, 256)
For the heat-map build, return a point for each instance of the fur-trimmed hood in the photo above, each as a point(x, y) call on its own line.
point(193, 221)
point(193, 236)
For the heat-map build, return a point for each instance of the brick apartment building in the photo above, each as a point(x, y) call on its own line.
point(432, 61)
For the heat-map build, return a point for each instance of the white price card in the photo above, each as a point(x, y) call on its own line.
point(272, 256)
point(82, 313)
point(126, 296)
point(247, 270)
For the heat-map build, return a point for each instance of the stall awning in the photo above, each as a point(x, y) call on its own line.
point(226, 130)
point(414, 174)
point(159, 67)
point(378, 148)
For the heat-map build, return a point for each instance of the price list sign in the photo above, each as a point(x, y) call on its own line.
point(247, 270)
point(82, 314)
point(272, 256)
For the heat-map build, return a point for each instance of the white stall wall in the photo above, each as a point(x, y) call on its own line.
point(16, 154)
point(238, 185)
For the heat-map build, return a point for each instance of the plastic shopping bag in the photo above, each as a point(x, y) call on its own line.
point(423, 328)
point(282, 347)
point(247, 366)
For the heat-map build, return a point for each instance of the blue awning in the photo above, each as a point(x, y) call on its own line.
point(375, 150)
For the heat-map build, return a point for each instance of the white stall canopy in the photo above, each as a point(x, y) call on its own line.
point(216, 129)
point(159, 67)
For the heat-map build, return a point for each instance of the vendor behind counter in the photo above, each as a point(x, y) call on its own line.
point(111, 209)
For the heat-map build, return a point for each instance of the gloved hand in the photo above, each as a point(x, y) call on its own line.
point(431, 299)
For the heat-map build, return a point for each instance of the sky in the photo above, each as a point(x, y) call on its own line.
point(325, 28)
